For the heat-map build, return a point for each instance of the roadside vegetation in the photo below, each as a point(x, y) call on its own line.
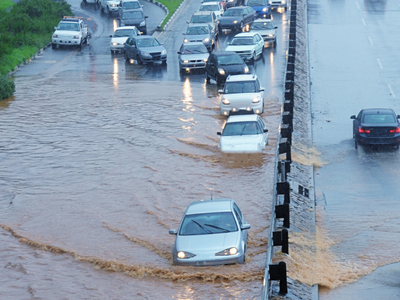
point(172, 6)
point(26, 27)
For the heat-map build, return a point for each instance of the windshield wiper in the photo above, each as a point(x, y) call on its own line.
point(198, 224)
point(243, 129)
point(220, 228)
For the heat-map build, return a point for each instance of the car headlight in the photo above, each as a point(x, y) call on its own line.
point(225, 101)
point(184, 255)
point(264, 9)
point(256, 99)
point(186, 41)
point(142, 24)
point(112, 5)
point(229, 251)
point(230, 0)
point(270, 35)
point(283, 2)
point(164, 52)
point(55, 35)
point(221, 71)
point(75, 37)
point(185, 61)
point(206, 40)
point(234, 22)
point(114, 44)
point(145, 53)
point(246, 69)
point(205, 59)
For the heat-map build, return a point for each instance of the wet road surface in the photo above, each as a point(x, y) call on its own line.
point(353, 60)
point(100, 158)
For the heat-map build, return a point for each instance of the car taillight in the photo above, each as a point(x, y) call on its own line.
point(397, 130)
point(363, 130)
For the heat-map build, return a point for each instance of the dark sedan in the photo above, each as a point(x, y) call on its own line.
point(145, 49)
point(376, 126)
point(134, 17)
point(224, 63)
point(237, 18)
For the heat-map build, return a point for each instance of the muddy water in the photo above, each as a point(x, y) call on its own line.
point(96, 169)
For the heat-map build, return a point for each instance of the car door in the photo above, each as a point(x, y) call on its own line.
point(356, 123)
point(263, 127)
point(240, 218)
point(259, 43)
point(211, 67)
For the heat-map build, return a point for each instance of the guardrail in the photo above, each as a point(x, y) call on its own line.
point(280, 216)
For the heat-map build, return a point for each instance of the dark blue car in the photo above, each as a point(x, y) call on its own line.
point(262, 8)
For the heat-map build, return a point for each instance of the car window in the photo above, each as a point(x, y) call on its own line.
point(208, 223)
point(209, 7)
point(201, 19)
point(241, 128)
point(256, 3)
point(242, 41)
point(131, 5)
point(148, 42)
point(262, 26)
point(124, 32)
point(225, 60)
point(233, 12)
point(197, 30)
point(378, 118)
point(240, 87)
point(261, 123)
point(191, 49)
point(68, 26)
point(238, 214)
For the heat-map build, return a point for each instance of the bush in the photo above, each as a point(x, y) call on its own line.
point(7, 87)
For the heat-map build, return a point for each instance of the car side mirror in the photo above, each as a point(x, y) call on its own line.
point(398, 116)
point(110, 35)
point(172, 231)
point(219, 133)
point(245, 226)
point(262, 89)
point(146, 17)
point(265, 130)
point(276, 27)
point(179, 52)
point(220, 91)
point(55, 28)
point(353, 117)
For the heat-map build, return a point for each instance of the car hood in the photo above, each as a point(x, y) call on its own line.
point(229, 19)
point(207, 242)
point(194, 56)
point(197, 37)
point(128, 22)
point(243, 143)
point(264, 32)
point(152, 49)
point(119, 40)
point(236, 48)
point(258, 8)
point(237, 69)
point(242, 96)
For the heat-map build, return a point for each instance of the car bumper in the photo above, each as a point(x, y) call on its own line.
point(191, 65)
point(119, 47)
point(362, 140)
point(149, 60)
point(269, 39)
point(227, 110)
point(278, 5)
point(74, 42)
point(218, 260)
point(231, 26)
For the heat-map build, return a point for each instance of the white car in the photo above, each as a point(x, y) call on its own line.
point(71, 31)
point(216, 7)
point(120, 36)
point(242, 94)
point(249, 45)
point(267, 30)
point(244, 134)
point(109, 6)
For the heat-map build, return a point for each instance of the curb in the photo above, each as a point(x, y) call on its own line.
point(159, 28)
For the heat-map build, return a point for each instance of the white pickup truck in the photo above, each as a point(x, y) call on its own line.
point(71, 31)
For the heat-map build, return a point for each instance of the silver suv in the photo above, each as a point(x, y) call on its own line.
point(242, 94)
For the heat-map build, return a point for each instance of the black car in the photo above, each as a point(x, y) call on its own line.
point(224, 63)
point(237, 18)
point(376, 126)
point(134, 17)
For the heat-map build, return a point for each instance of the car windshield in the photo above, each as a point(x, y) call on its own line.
point(262, 25)
point(233, 13)
point(132, 15)
point(201, 19)
point(151, 42)
point(208, 223)
point(226, 60)
point(376, 119)
point(241, 128)
point(68, 26)
point(124, 33)
point(240, 87)
point(242, 41)
point(191, 49)
point(256, 3)
point(211, 7)
point(131, 5)
point(197, 30)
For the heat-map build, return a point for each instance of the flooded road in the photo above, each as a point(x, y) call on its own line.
point(99, 159)
point(353, 65)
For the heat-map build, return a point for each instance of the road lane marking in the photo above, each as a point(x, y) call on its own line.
point(370, 40)
point(391, 91)
point(358, 6)
point(362, 19)
point(379, 62)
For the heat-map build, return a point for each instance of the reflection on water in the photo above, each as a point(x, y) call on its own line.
point(115, 72)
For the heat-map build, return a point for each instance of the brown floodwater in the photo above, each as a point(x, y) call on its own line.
point(94, 172)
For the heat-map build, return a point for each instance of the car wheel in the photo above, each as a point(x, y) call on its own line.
point(253, 59)
point(208, 80)
point(262, 110)
point(164, 63)
point(108, 11)
point(126, 57)
point(139, 60)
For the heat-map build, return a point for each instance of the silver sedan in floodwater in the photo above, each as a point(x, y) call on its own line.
point(212, 232)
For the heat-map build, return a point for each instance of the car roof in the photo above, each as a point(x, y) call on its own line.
point(242, 118)
point(263, 21)
point(203, 13)
point(209, 206)
point(198, 24)
point(237, 7)
point(125, 27)
point(246, 34)
point(241, 77)
point(210, 3)
point(374, 111)
point(193, 44)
